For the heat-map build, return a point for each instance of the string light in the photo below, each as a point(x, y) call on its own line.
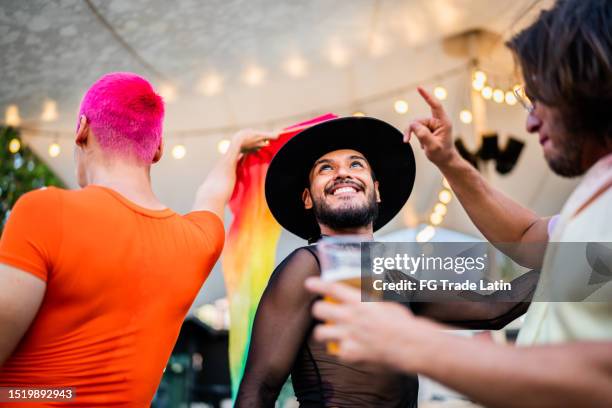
point(477, 85)
point(14, 145)
point(253, 75)
point(440, 93)
point(445, 196)
point(49, 113)
point(296, 66)
point(11, 116)
point(426, 234)
point(487, 92)
point(441, 209)
point(179, 151)
point(400, 106)
point(54, 149)
point(480, 76)
point(379, 45)
point(211, 84)
point(223, 146)
point(510, 98)
point(479, 80)
point(168, 92)
point(338, 54)
point(498, 95)
point(465, 116)
point(435, 218)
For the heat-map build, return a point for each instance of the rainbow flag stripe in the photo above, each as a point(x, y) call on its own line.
point(250, 248)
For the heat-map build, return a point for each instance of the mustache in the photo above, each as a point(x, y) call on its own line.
point(346, 182)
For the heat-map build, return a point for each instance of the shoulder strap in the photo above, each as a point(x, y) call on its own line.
point(313, 250)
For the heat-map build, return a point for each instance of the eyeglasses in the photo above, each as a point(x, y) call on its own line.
point(523, 99)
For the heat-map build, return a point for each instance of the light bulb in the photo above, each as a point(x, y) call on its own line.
point(49, 113)
point(179, 151)
point(338, 55)
point(223, 146)
point(445, 196)
point(296, 66)
point(441, 209)
point(54, 149)
point(510, 98)
point(211, 84)
point(401, 106)
point(498, 95)
point(487, 92)
point(477, 85)
point(14, 145)
point(440, 93)
point(480, 76)
point(168, 92)
point(436, 218)
point(253, 75)
point(11, 116)
point(465, 116)
point(426, 234)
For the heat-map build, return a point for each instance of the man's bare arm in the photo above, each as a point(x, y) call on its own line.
point(499, 218)
point(21, 295)
point(216, 190)
point(568, 375)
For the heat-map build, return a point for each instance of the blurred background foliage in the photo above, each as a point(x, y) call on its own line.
point(21, 170)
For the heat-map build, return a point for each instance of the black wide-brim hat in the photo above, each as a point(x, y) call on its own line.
point(382, 145)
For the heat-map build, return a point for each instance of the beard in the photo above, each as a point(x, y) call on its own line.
point(567, 162)
point(349, 216)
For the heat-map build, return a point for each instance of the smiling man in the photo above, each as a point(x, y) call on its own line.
point(343, 194)
point(345, 176)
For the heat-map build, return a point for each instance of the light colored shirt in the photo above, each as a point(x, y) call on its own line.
point(568, 273)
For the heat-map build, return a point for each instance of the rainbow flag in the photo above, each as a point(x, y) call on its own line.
point(250, 247)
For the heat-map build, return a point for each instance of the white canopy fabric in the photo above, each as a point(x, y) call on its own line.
point(271, 64)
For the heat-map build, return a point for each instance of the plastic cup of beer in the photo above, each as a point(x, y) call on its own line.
point(340, 259)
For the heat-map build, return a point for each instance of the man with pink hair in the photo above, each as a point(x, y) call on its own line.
point(95, 282)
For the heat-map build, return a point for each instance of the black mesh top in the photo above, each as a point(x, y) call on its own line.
point(282, 344)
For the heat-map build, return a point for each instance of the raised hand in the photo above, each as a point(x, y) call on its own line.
point(434, 133)
point(252, 140)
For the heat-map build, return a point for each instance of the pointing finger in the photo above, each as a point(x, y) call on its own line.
point(436, 107)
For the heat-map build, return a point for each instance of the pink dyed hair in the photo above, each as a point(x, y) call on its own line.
point(125, 115)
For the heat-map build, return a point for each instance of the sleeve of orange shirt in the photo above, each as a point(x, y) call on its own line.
point(32, 235)
point(212, 228)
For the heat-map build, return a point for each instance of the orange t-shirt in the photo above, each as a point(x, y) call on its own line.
point(120, 280)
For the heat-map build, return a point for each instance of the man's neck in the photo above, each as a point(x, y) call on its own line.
point(132, 182)
point(365, 232)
